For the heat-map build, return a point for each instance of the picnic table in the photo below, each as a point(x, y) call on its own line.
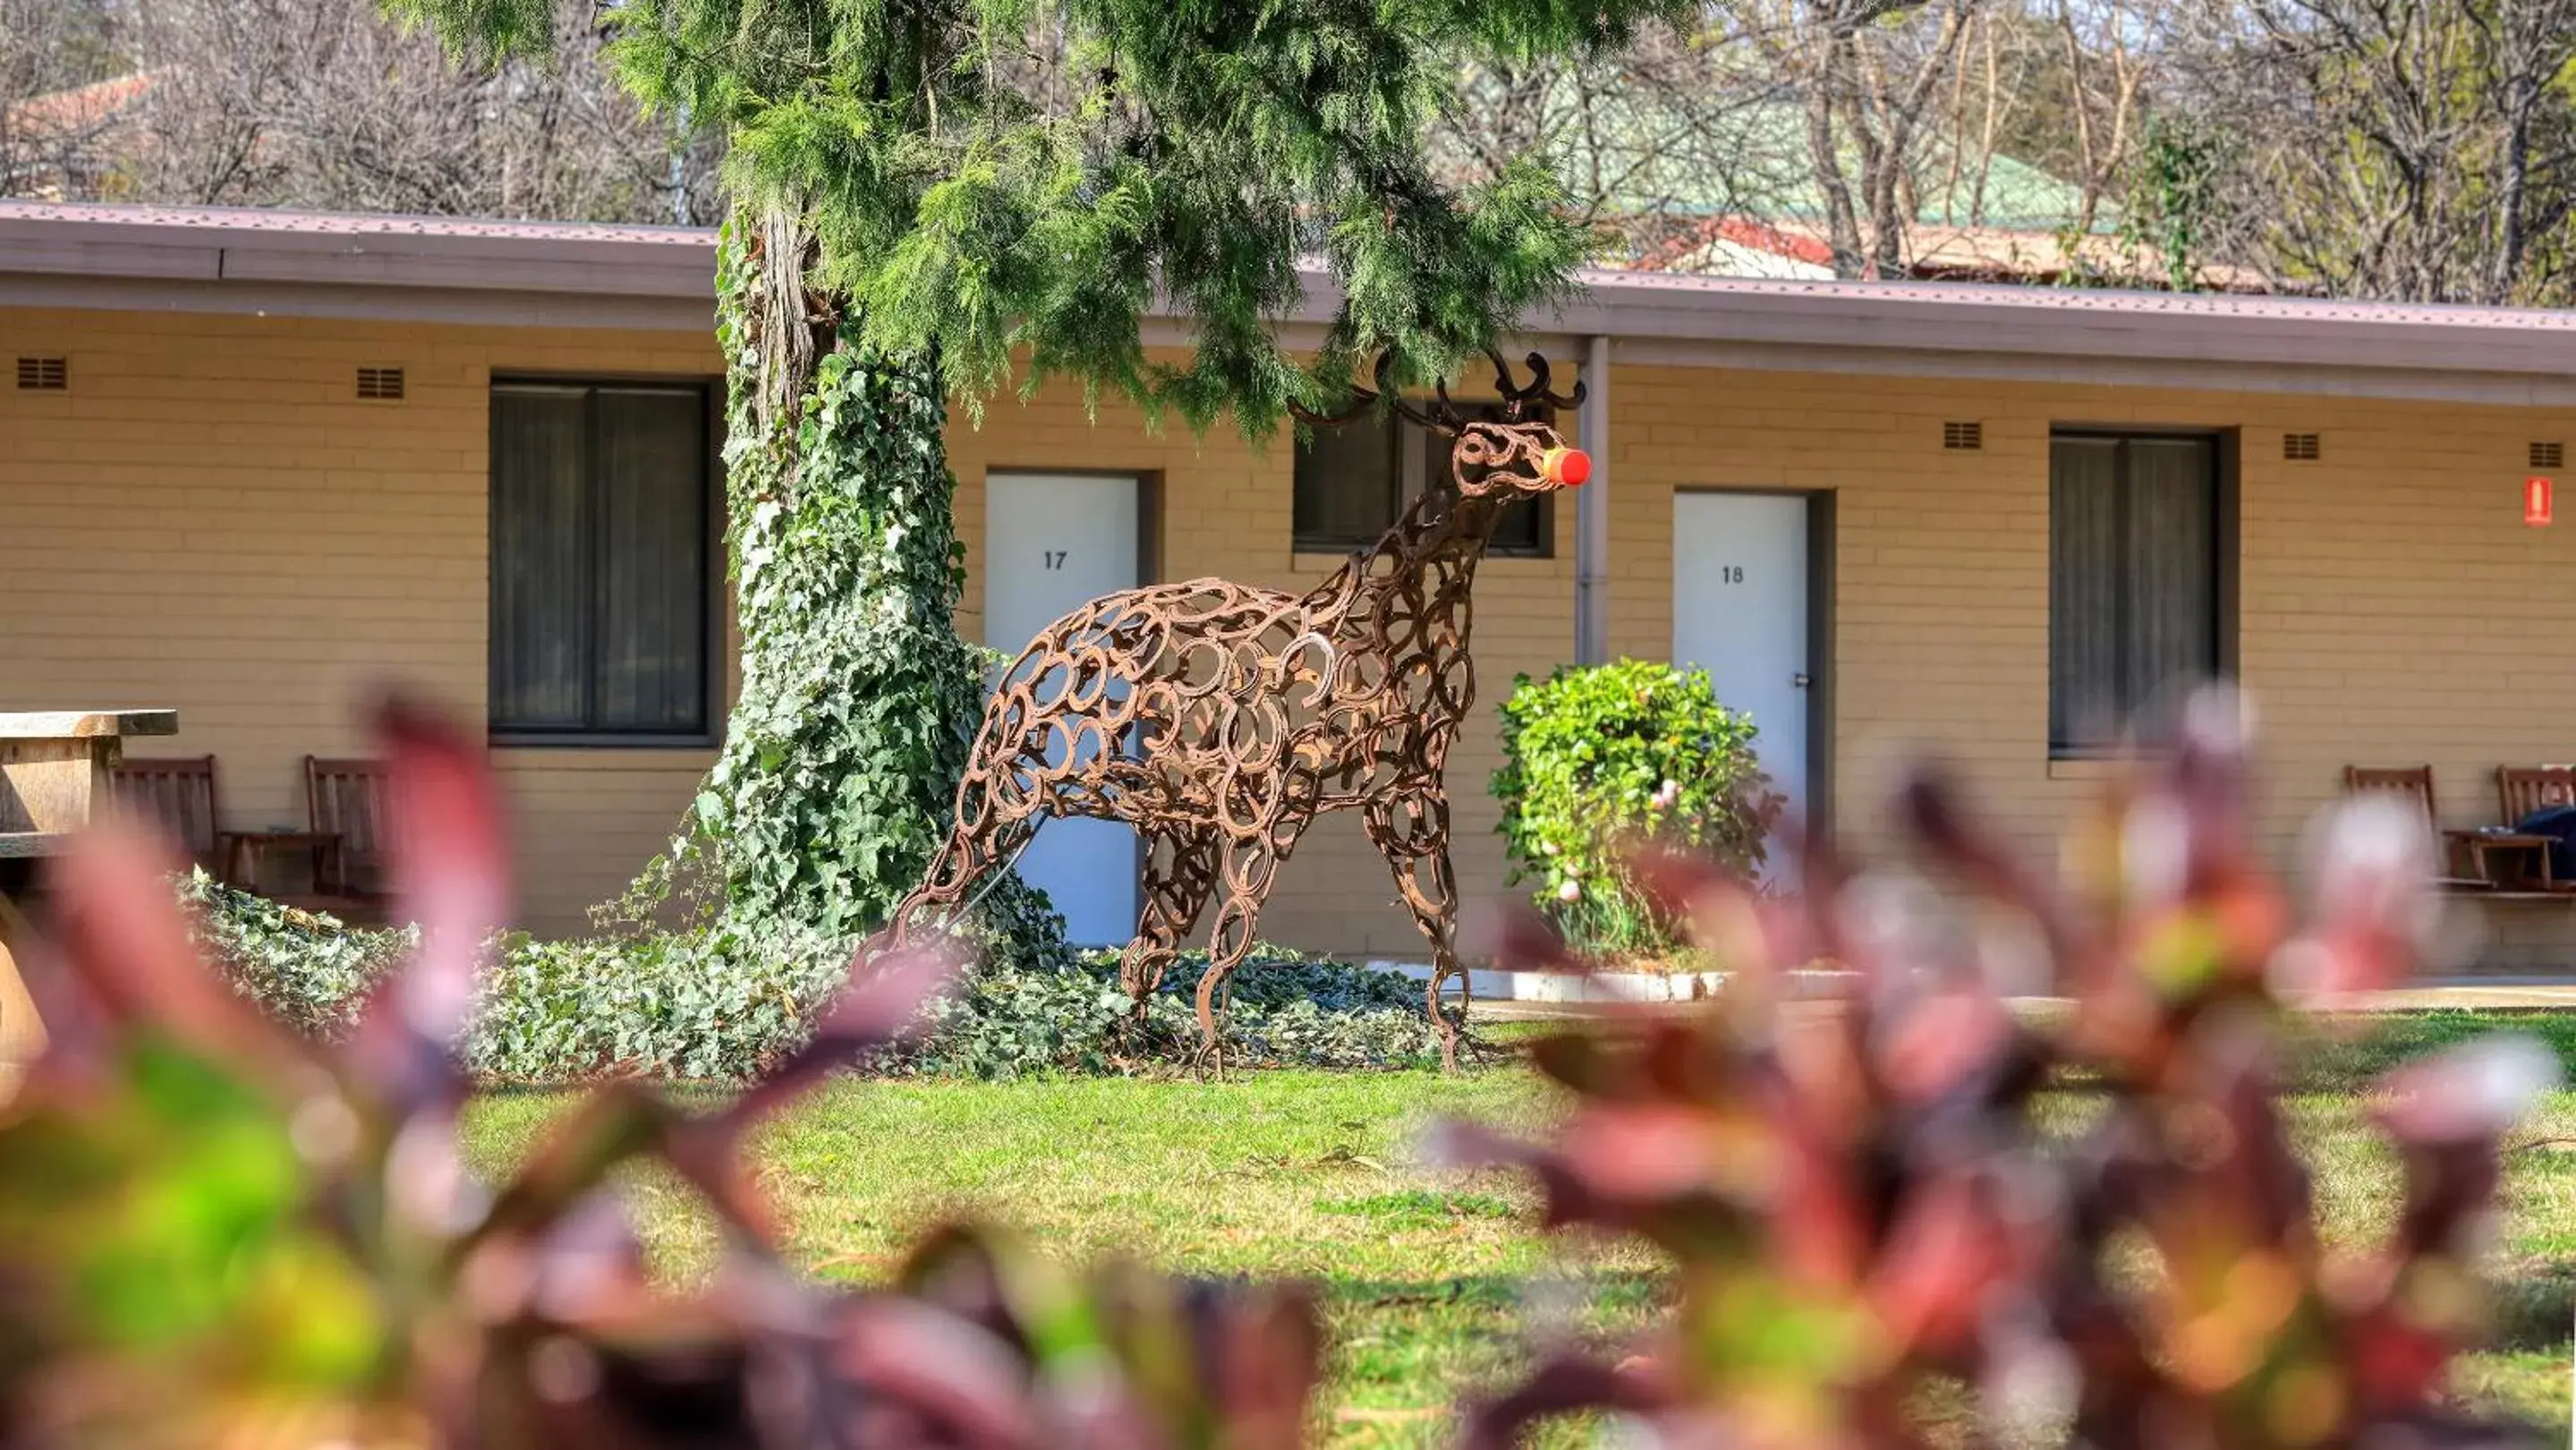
point(54, 768)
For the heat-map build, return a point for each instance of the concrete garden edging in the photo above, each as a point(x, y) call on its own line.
point(1494, 986)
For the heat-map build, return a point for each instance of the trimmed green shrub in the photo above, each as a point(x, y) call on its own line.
point(715, 1006)
point(1601, 760)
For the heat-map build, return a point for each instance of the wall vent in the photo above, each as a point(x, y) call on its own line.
point(2549, 455)
point(2301, 447)
point(1967, 436)
point(381, 384)
point(45, 374)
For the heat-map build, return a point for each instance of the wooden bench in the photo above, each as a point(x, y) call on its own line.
point(344, 826)
point(183, 799)
point(2413, 785)
point(2471, 857)
point(2525, 790)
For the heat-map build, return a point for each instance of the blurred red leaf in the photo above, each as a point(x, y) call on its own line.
point(450, 869)
point(119, 928)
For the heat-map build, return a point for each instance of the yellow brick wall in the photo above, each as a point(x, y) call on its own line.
point(2394, 608)
point(210, 520)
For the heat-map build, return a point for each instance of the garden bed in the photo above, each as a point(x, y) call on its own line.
point(716, 1007)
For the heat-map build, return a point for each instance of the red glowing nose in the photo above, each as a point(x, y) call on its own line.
point(1568, 466)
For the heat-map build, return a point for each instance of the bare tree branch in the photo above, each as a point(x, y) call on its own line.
point(325, 104)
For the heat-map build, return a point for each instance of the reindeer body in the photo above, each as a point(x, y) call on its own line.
point(1221, 719)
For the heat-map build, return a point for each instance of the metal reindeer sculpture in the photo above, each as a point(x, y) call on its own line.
point(1221, 719)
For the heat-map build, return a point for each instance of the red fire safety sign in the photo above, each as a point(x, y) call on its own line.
point(2536, 501)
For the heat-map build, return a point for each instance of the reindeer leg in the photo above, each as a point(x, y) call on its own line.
point(1412, 832)
point(1180, 875)
point(1251, 864)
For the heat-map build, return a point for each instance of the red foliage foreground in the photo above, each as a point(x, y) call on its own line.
point(214, 1233)
point(1864, 1201)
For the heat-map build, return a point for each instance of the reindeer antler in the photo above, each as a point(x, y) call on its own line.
point(1520, 402)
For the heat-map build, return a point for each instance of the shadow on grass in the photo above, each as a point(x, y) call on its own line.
point(1598, 1290)
point(2535, 1308)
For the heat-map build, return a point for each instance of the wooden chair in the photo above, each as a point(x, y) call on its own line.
point(2522, 790)
point(346, 798)
point(2413, 784)
point(179, 797)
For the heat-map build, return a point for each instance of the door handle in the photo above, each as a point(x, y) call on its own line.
point(1799, 679)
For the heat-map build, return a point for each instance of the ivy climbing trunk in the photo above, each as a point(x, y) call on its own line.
point(858, 698)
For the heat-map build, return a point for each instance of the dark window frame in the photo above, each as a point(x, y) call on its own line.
point(715, 668)
point(1404, 486)
point(2224, 445)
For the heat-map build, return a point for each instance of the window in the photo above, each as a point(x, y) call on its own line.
point(1353, 481)
point(2138, 542)
point(602, 603)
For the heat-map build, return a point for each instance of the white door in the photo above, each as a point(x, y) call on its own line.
point(1740, 612)
point(1053, 542)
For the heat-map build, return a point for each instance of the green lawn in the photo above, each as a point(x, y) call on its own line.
point(1428, 1278)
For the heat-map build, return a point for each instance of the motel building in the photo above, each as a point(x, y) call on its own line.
point(254, 464)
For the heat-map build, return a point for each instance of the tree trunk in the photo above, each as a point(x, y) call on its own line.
point(858, 699)
point(1824, 154)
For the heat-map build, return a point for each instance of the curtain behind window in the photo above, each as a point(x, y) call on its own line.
point(541, 559)
point(600, 584)
point(651, 671)
point(2133, 579)
point(2172, 605)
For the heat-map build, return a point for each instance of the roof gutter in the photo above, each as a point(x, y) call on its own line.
point(389, 268)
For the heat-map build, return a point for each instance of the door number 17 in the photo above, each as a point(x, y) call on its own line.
point(1055, 558)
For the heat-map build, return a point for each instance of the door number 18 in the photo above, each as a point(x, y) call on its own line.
point(1730, 573)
